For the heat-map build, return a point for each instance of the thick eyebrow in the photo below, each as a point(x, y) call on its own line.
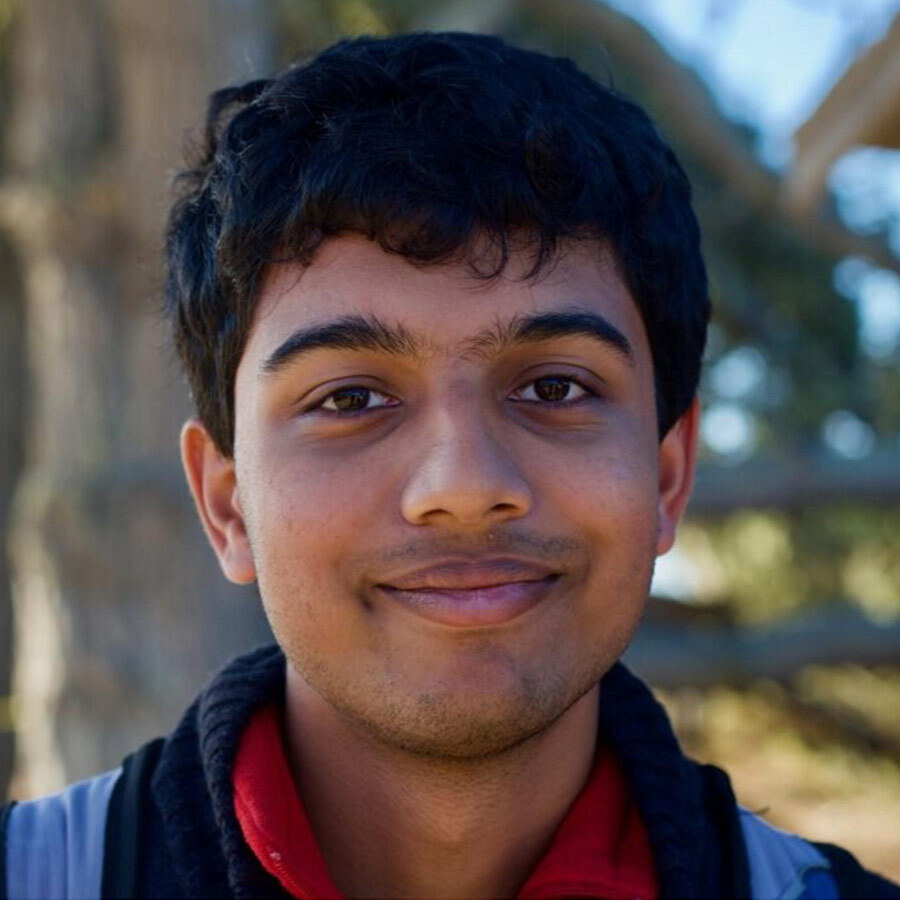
point(359, 332)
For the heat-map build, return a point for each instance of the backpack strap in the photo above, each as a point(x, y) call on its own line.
point(54, 845)
point(784, 866)
point(127, 814)
point(729, 873)
point(4, 818)
point(855, 881)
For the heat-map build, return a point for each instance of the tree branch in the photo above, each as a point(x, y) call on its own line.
point(689, 114)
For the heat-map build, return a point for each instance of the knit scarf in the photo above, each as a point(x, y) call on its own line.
point(192, 786)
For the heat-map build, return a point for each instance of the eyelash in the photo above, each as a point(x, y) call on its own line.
point(349, 414)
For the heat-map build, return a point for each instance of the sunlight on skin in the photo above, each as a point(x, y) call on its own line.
point(448, 454)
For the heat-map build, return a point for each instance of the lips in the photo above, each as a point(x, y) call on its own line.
point(476, 607)
point(468, 595)
point(463, 575)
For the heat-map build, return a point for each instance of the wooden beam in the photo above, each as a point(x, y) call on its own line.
point(670, 655)
point(797, 483)
point(862, 108)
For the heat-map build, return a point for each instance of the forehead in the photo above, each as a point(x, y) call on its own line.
point(443, 310)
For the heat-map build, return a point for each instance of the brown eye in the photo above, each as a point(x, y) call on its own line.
point(349, 400)
point(552, 389)
point(555, 390)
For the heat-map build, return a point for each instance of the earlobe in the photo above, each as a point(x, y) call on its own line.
point(213, 483)
point(677, 464)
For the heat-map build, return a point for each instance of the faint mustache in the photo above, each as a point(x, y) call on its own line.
point(546, 551)
point(541, 556)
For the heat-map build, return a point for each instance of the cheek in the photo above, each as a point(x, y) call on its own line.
point(607, 488)
point(308, 518)
point(609, 496)
point(316, 496)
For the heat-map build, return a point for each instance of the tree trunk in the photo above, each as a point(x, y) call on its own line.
point(120, 609)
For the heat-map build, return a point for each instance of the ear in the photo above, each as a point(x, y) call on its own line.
point(213, 484)
point(677, 463)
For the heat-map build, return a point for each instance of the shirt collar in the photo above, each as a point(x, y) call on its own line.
point(600, 849)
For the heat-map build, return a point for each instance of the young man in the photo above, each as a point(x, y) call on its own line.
point(442, 307)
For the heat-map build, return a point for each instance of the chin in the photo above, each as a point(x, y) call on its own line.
point(468, 721)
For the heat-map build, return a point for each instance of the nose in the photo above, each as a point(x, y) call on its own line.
point(463, 474)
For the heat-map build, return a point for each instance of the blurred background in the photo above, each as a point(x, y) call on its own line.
point(773, 634)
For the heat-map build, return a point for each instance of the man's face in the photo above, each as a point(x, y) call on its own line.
point(357, 468)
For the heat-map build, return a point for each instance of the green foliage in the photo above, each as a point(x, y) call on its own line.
point(7, 20)
point(768, 565)
point(818, 757)
point(306, 26)
point(7, 12)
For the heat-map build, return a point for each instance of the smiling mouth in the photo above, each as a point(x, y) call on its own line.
point(473, 607)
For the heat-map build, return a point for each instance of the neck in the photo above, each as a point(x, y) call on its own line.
point(390, 824)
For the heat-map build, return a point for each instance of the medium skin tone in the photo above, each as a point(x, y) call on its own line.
point(416, 741)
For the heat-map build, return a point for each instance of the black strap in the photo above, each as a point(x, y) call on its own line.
point(853, 881)
point(127, 805)
point(734, 868)
point(4, 819)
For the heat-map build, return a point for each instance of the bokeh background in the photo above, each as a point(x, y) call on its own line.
point(773, 633)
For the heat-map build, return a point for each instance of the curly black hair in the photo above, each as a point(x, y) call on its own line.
point(436, 146)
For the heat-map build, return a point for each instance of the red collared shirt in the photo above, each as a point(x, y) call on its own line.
point(600, 849)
